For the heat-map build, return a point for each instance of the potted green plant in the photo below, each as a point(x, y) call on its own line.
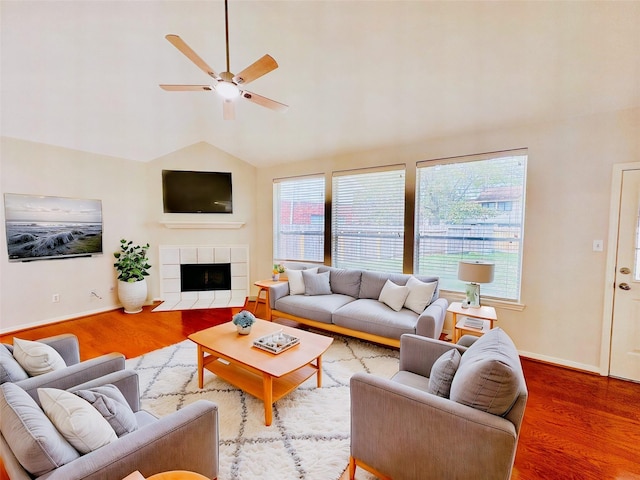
point(243, 321)
point(133, 266)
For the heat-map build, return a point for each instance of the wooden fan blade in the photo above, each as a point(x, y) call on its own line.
point(186, 50)
point(228, 110)
point(185, 88)
point(256, 70)
point(264, 101)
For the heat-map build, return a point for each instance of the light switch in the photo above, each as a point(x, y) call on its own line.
point(598, 245)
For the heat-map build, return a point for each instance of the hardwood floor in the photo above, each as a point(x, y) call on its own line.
point(576, 426)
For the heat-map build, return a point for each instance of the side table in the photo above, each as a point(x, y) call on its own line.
point(484, 313)
point(263, 286)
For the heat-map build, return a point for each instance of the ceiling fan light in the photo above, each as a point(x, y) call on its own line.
point(228, 90)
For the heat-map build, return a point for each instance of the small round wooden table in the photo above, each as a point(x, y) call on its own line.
point(177, 475)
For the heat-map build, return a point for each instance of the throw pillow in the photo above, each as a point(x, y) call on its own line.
point(420, 294)
point(442, 372)
point(10, 369)
point(35, 442)
point(296, 282)
point(77, 421)
point(112, 405)
point(489, 374)
point(316, 283)
point(393, 295)
point(36, 358)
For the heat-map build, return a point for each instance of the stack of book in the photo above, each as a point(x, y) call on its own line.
point(474, 323)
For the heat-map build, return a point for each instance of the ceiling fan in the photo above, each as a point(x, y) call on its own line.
point(227, 85)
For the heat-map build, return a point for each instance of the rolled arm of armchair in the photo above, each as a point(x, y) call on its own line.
point(404, 432)
point(183, 440)
point(417, 353)
point(277, 291)
point(431, 321)
point(82, 372)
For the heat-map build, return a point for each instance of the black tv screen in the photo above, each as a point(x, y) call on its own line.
point(185, 191)
point(40, 227)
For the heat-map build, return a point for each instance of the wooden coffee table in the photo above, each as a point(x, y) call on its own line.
point(266, 376)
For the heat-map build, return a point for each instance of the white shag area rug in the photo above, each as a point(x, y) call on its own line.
point(309, 436)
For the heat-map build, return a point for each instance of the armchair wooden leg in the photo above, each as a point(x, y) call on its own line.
point(353, 463)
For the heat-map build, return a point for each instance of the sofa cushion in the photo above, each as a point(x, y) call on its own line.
point(442, 372)
point(420, 294)
point(10, 369)
point(345, 281)
point(296, 282)
point(80, 423)
point(37, 358)
point(393, 295)
point(34, 440)
point(313, 308)
point(112, 405)
point(489, 374)
point(316, 283)
point(374, 317)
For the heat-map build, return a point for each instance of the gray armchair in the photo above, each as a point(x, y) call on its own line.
point(183, 440)
point(400, 431)
point(77, 372)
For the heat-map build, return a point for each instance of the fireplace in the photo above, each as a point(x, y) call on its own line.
point(196, 277)
point(208, 276)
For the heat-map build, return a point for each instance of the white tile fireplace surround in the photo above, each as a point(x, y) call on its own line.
point(173, 256)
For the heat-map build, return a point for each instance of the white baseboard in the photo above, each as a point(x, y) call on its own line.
point(25, 326)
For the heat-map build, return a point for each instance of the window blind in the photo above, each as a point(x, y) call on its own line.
point(367, 219)
point(472, 208)
point(298, 219)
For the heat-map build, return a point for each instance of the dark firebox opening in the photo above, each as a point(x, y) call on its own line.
point(201, 277)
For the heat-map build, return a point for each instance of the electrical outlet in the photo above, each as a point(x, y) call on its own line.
point(55, 298)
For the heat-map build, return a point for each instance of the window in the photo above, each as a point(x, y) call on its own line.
point(367, 219)
point(472, 208)
point(298, 219)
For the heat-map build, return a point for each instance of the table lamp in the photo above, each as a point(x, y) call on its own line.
point(475, 272)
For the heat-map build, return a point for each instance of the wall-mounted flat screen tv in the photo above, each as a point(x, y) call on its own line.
point(40, 227)
point(185, 191)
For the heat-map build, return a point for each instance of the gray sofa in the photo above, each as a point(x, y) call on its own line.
point(352, 306)
point(444, 415)
point(31, 447)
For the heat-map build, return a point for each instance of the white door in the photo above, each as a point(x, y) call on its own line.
point(624, 361)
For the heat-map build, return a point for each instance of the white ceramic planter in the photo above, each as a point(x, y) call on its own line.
point(132, 295)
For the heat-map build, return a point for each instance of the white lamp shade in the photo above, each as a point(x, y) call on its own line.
point(476, 271)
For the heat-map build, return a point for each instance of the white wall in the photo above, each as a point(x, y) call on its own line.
point(567, 207)
point(131, 195)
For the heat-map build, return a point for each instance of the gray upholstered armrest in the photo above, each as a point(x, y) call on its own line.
point(431, 321)
point(278, 291)
point(66, 345)
point(183, 440)
point(389, 422)
point(125, 380)
point(74, 375)
point(418, 353)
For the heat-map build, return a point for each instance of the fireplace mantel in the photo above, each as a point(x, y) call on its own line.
point(197, 225)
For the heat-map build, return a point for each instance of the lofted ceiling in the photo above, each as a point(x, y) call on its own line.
point(357, 75)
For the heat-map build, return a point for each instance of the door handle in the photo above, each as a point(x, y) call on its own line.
point(624, 286)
